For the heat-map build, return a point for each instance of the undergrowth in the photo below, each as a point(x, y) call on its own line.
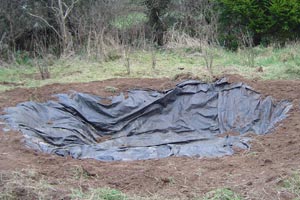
point(272, 62)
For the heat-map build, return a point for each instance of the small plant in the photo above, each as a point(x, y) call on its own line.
point(42, 60)
point(126, 55)
point(80, 173)
point(111, 89)
point(43, 69)
point(112, 55)
point(22, 58)
point(248, 49)
point(98, 194)
point(208, 56)
point(34, 96)
point(153, 58)
point(229, 42)
point(292, 184)
point(222, 194)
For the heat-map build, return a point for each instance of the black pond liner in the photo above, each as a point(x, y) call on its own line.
point(189, 120)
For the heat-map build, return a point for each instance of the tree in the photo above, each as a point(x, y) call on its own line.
point(277, 20)
point(155, 10)
point(61, 9)
point(284, 19)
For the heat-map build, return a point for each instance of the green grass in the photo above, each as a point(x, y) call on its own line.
point(276, 63)
point(292, 185)
point(222, 194)
point(98, 194)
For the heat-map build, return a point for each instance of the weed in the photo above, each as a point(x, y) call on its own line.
point(292, 184)
point(80, 173)
point(98, 194)
point(222, 194)
point(112, 55)
point(22, 58)
point(254, 154)
point(111, 89)
point(208, 56)
point(34, 96)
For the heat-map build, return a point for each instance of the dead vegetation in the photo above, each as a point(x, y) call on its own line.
point(28, 184)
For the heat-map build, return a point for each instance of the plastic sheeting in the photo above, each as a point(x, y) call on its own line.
point(189, 120)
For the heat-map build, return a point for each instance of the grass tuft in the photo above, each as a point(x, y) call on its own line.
point(98, 194)
point(292, 184)
point(222, 194)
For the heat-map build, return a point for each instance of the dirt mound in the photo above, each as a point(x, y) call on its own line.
point(256, 174)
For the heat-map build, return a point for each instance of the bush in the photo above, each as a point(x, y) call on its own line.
point(275, 19)
point(230, 42)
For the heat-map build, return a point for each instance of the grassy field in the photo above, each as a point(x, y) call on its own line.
point(259, 62)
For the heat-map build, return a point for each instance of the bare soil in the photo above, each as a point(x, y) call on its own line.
point(255, 174)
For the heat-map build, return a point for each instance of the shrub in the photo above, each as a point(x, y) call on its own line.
point(275, 19)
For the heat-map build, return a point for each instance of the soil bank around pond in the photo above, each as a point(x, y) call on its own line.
point(255, 174)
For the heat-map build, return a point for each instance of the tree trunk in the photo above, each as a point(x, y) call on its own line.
point(63, 28)
point(156, 9)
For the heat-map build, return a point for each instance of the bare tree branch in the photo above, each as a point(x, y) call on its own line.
point(2, 38)
point(46, 22)
point(69, 9)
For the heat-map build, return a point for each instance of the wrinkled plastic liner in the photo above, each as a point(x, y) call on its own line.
point(189, 120)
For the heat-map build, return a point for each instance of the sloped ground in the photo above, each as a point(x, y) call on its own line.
point(255, 174)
